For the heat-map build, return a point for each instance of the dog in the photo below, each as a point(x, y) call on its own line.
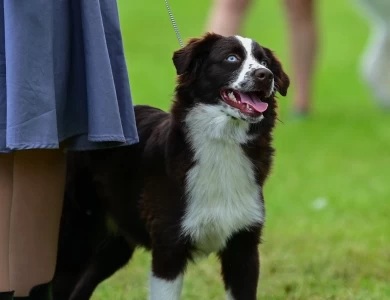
point(192, 186)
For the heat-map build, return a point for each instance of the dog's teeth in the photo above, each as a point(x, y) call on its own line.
point(232, 97)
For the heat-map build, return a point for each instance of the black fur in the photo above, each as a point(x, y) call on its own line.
point(141, 188)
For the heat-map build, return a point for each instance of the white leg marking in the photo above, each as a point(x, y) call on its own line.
point(161, 289)
point(229, 295)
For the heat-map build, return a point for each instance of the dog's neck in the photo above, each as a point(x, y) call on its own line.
point(209, 122)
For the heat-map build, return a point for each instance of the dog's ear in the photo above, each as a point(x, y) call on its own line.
point(189, 58)
point(281, 78)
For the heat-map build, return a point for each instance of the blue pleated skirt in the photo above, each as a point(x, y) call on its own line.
point(63, 76)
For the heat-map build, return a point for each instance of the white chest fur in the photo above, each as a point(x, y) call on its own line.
point(222, 193)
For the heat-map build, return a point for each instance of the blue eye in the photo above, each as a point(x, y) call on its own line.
point(264, 63)
point(232, 58)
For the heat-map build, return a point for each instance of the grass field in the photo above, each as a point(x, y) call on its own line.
point(327, 234)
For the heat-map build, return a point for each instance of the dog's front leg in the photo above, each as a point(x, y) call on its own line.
point(240, 265)
point(168, 266)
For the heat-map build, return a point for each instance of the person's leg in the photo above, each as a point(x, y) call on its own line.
point(303, 40)
point(38, 188)
point(6, 177)
point(227, 16)
point(375, 61)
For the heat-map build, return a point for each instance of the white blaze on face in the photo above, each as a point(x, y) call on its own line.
point(249, 65)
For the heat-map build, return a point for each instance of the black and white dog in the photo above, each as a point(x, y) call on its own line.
point(191, 187)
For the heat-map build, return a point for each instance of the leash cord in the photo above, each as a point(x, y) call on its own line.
point(174, 24)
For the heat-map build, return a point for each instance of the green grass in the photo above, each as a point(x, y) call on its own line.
point(341, 153)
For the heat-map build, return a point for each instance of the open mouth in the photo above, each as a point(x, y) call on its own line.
point(247, 102)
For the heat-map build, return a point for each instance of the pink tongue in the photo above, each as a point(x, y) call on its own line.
point(253, 101)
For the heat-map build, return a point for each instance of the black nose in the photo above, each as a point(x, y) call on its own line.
point(264, 74)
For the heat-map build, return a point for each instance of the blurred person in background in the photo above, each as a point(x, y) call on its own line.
point(375, 63)
point(227, 17)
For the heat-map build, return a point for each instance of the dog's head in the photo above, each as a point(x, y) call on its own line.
point(234, 73)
